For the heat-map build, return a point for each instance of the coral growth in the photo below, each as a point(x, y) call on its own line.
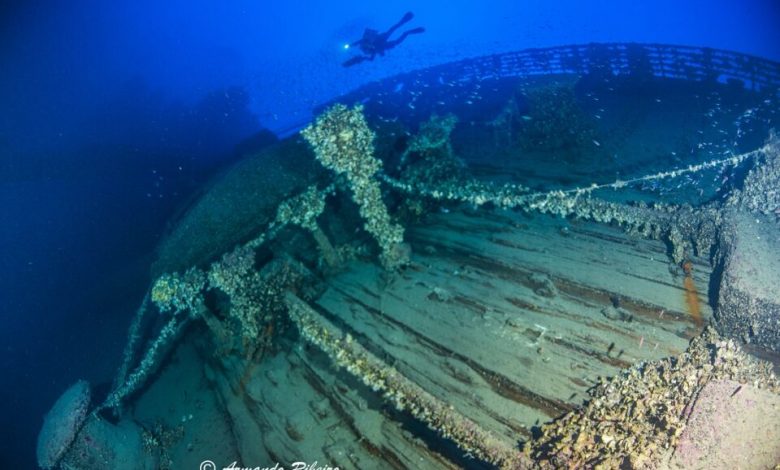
point(303, 210)
point(235, 275)
point(760, 191)
point(177, 293)
point(133, 338)
point(252, 298)
point(343, 142)
point(429, 157)
point(634, 417)
point(171, 293)
point(159, 440)
point(148, 365)
point(685, 228)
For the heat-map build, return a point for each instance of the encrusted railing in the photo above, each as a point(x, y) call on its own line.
point(699, 64)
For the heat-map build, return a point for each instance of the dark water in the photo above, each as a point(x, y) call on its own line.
point(115, 117)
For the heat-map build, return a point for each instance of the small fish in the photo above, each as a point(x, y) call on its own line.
point(596, 143)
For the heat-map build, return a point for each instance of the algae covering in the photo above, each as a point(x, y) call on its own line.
point(468, 289)
point(636, 418)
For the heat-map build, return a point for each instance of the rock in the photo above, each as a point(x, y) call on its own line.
point(296, 426)
point(616, 313)
point(731, 425)
point(542, 285)
point(749, 300)
point(440, 294)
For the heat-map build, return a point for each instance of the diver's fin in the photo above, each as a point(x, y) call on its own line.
point(354, 60)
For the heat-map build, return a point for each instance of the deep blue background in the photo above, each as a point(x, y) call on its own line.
point(112, 113)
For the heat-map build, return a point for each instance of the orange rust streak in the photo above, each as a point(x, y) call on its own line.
point(691, 295)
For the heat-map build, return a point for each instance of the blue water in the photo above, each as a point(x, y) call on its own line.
point(114, 114)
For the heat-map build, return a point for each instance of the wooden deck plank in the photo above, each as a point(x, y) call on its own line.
point(466, 322)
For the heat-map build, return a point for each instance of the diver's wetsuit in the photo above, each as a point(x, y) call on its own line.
point(373, 42)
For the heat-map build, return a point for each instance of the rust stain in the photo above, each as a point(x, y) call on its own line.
point(691, 295)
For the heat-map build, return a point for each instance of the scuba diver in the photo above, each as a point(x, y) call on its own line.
point(373, 42)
